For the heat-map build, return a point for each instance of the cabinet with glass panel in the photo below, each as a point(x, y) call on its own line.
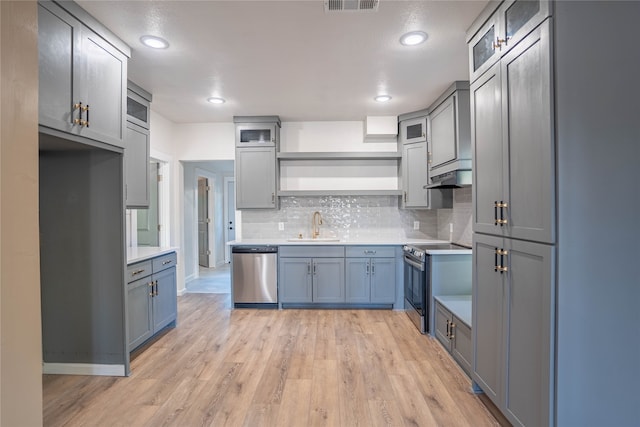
point(502, 30)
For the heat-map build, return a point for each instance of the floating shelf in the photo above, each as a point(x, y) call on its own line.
point(337, 155)
point(285, 193)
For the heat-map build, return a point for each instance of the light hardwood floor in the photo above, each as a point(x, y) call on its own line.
point(275, 368)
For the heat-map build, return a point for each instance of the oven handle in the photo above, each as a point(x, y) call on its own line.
point(412, 263)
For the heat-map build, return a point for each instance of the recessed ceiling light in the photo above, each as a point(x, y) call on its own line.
point(154, 42)
point(216, 100)
point(413, 38)
point(382, 98)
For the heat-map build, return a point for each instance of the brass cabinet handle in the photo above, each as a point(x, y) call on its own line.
point(86, 122)
point(498, 43)
point(150, 284)
point(502, 269)
point(447, 328)
point(157, 291)
point(451, 328)
point(135, 273)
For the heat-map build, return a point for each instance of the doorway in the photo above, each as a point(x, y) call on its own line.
point(148, 220)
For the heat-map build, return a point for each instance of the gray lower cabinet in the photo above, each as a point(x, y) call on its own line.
point(82, 79)
point(256, 178)
point(151, 297)
point(454, 334)
point(136, 164)
point(311, 274)
point(512, 326)
point(370, 275)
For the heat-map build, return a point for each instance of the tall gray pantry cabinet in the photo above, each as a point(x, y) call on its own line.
point(83, 75)
point(542, 296)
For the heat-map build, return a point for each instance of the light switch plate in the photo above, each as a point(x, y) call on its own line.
point(281, 226)
point(416, 225)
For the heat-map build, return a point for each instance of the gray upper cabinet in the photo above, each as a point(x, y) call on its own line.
point(449, 131)
point(513, 143)
point(256, 178)
point(82, 83)
point(513, 20)
point(413, 130)
point(136, 162)
point(512, 326)
point(137, 147)
point(257, 171)
point(415, 175)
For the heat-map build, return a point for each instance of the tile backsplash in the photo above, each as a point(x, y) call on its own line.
point(344, 217)
point(459, 216)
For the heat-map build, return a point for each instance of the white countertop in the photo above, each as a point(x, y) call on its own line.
point(461, 251)
point(373, 241)
point(460, 305)
point(142, 253)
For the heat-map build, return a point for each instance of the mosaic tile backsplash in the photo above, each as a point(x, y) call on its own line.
point(344, 217)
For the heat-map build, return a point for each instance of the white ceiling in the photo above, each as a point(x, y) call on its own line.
point(290, 58)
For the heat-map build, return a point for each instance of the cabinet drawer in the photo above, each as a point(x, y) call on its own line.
point(138, 270)
point(311, 251)
point(163, 262)
point(371, 251)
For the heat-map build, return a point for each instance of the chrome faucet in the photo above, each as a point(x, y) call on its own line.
point(316, 222)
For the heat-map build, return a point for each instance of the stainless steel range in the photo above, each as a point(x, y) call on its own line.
point(417, 281)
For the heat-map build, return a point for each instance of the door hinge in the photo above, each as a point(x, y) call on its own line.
point(159, 227)
point(159, 177)
point(208, 252)
point(208, 220)
point(208, 188)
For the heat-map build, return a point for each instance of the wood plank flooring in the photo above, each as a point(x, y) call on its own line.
point(223, 367)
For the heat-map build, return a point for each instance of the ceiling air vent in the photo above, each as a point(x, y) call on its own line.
point(351, 5)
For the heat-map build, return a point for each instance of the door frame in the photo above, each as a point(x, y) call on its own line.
point(227, 252)
point(164, 192)
point(211, 177)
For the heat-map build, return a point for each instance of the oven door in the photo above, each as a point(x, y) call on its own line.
point(415, 281)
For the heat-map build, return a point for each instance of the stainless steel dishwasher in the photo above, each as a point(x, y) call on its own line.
point(255, 276)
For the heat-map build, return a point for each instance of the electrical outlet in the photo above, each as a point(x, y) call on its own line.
point(416, 225)
point(281, 226)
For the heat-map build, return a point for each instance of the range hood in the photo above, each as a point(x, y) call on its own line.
point(452, 179)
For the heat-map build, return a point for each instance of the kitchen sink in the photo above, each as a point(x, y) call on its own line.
point(317, 239)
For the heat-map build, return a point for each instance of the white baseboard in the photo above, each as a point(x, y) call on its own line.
point(190, 277)
point(182, 292)
point(83, 369)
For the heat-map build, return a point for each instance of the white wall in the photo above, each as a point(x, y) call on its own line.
point(205, 141)
point(20, 318)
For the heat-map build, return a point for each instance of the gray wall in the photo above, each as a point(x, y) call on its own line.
point(598, 149)
point(221, 169)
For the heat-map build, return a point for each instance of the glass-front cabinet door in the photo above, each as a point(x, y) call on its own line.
point(520, 17)
point(256, 135)
point(484, 47)
point(413, 130)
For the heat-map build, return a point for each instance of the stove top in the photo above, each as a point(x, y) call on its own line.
point(417, 252)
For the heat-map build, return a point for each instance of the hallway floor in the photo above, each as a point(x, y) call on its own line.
point(211, 281)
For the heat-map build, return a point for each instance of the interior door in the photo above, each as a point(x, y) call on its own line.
point(203, 222)
point(148, 219)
